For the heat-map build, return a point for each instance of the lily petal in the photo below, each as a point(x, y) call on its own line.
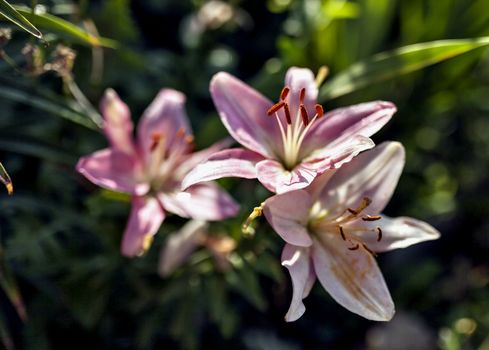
point(235, 162)
point(145, 220)
point(180, 245)
point(165, 116)
point(243, 112)
point(336, 154)
point(352, 278)
point(363, 119)
point(205, 201)
point(298, 262)
point(297, 79)
point(373, 174)
point(118, 126)
point(195, 158)
point(279, 180)
point(288, 214)
point(397, 233)
point(112, 169)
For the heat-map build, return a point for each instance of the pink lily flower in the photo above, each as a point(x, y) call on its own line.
point(151, 167)
point(288, 144)
point(333, 228)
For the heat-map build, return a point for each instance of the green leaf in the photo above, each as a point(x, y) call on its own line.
point(46, 104)
point(390, 64)
point(64, 28)
point(14, 16)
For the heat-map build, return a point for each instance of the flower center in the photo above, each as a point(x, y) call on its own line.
point(293, 131)
point(164, 157)
point(346, 224)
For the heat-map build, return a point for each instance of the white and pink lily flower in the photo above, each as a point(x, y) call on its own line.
point(334, 228)
point(288, 144)
point(151, 166)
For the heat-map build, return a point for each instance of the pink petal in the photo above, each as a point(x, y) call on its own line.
point(180, 245)
point(112, 169)
point(118, 125)
point(288, 214)
point(336, 154)
point(204, 201)
point(397, 233)
point(145, 220)
point(279, 180)
point(296, 79)
point(351, 277)
point(165, 116)
point(340, 124)
point(243, 112)
point(298, 262)
point(373, 174)
point(235, 162)
point(195, 158)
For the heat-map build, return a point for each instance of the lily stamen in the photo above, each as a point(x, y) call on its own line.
point(284, 93)
point(342, 233)
point(304, 116)
point(275, 108)
point(355, 247)
point(379, 234)
point(371, 217)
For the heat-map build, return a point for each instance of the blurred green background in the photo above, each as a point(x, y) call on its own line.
point(60, 235)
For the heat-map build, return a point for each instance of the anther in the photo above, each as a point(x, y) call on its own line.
point(180, 132)
point(352, 211)
point(302, 96)
point(189, 139)
point(275, 108)
point(287, 114)
point(304, 116)
point(379, 234)
point(371, 217)
point(319, 111)
point(369, 250)
point(284, 93)
point(355, 247)
point(342, 233)
point(156, 139)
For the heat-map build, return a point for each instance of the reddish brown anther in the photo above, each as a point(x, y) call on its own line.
point(180, 132)
point(355, 247)
point(302, 96)
point(304, 116)
point(284, 93)
point(156, 139)
point(287, 114)
point(352, 211)
point(371, 217)
point(275, 107)
point(189, 139)
point(319, 111)
point(379, 234)
point(342, 233)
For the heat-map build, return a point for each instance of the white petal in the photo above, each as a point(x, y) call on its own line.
point(397, 233)
point(352, 277)
point(298, 262)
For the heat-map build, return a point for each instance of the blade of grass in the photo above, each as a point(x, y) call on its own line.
point(47, 105)
point(390, 64)
point(64, 28)
point(10, 13)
